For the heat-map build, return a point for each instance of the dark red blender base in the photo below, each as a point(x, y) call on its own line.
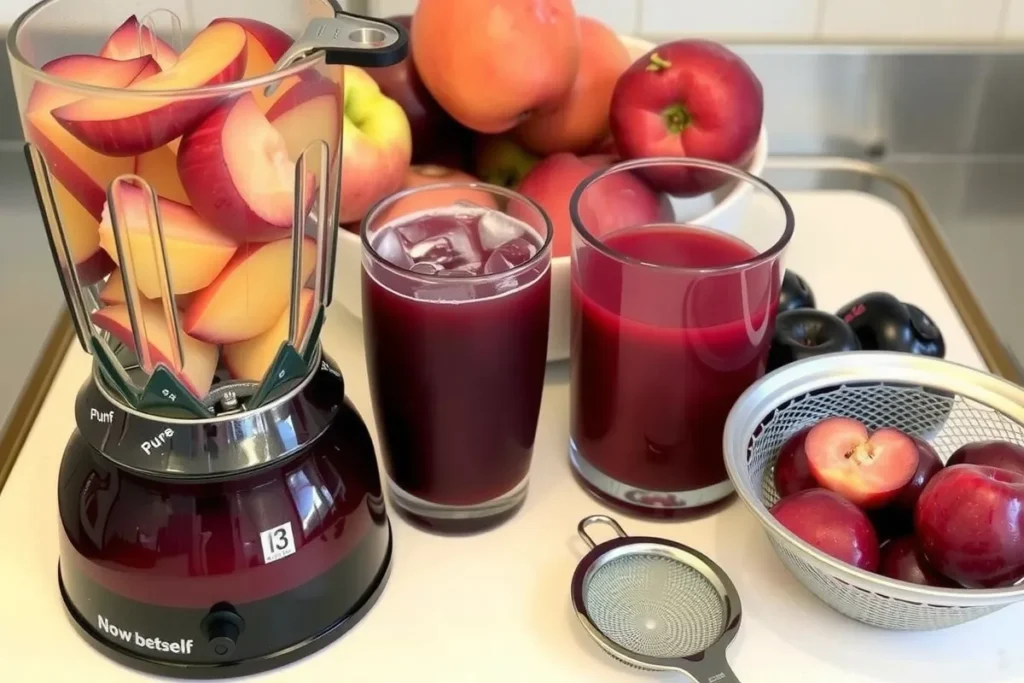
point(287, 654)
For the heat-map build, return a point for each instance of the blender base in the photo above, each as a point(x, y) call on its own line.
point(243, 667)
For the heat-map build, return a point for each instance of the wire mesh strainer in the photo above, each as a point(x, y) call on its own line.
point(655, 604)
point(945, 404)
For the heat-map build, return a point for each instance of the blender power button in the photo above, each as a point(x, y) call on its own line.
point(222, 627)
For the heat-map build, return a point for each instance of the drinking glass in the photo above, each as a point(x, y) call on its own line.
point(673, 309)
point(456, 297)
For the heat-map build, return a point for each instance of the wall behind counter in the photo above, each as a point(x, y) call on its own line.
point(804, 20)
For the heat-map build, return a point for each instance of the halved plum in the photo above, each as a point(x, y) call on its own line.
point(867, 469)
point(897, 518)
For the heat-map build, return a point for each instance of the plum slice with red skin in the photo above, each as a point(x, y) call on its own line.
point(868, 469)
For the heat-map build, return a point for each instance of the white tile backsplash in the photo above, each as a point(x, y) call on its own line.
point(387, 8)
point(1013, 23)
point(730, 18)
point(621, 15)
point(918, 20)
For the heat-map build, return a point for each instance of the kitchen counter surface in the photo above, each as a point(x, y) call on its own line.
point(495, 606)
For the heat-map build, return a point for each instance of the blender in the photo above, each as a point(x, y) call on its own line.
point(220, 504)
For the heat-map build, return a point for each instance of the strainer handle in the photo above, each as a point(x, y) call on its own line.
point(713, 669)
point(598, 519)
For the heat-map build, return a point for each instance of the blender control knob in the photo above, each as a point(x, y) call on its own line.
point(222, 628)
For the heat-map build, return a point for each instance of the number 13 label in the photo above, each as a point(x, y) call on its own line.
point(277, 543)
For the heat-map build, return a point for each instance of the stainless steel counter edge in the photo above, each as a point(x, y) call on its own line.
point(787, 173)
point(790, 173)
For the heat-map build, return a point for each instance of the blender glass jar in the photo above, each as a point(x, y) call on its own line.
point(188, 183)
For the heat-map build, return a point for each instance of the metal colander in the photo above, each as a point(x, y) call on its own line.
point(656, 604)
point(946, 404)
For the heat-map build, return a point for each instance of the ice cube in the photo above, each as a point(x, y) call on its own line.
point(426, 268)
point(415, 232)
point(496, 229)
point(390, 248)
point(451, 248)
point(446, 294)
point(507, 284)
point(467, 270)
point(509, 255)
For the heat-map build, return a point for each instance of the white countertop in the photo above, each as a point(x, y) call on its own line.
point(495, 607)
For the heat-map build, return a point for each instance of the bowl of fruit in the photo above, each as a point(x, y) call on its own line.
point(890, 485)
point(581, 99)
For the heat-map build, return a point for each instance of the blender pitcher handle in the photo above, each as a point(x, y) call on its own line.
point(349, 39)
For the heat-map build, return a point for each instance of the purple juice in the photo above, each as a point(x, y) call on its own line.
point(455, 317)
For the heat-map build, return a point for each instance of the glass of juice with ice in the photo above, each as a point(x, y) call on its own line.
point(671, 322)
point(456, 294)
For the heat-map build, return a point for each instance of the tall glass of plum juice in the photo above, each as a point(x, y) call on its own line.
point(671, 322)
point(456, 294)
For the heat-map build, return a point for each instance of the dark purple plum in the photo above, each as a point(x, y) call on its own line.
point(902, 560)
point(1000, 454)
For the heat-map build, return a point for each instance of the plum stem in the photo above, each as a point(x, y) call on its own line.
point(658, 63)
point(860, 454)
point(676, 118)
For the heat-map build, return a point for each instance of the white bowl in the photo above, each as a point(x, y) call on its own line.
point(726, 212)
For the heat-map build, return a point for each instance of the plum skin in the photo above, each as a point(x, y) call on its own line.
point(832, 524)
point(792, 472)
point(897, 518)
point(903, 560)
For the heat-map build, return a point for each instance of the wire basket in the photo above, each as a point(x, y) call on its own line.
point(946, 404)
